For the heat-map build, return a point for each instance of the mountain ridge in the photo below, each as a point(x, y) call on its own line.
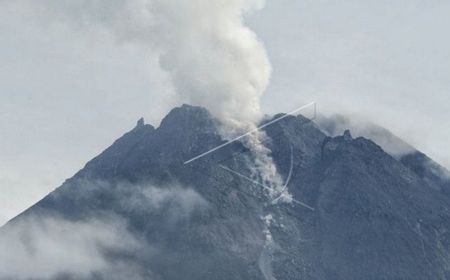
point(372, 213)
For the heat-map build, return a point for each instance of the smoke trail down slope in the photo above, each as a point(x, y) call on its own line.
point(264, 166)
point(212, 57)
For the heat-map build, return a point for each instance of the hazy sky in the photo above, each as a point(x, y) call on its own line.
point(67, 93)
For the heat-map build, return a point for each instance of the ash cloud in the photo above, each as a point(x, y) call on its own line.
point(212, 57)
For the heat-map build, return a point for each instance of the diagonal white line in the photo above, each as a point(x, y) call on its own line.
point(265, 187)
point(303, 204)
point(250, 132)
point(245, 177)
point(288, 177)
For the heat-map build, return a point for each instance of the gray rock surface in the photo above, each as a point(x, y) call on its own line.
point(375, 216)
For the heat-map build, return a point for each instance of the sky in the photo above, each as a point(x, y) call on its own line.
point(66, 93)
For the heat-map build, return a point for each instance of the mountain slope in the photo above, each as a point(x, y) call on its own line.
point(366, 214)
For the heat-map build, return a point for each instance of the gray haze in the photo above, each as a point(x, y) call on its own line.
point(66, 93)
point(44, 242)
point(45, 239)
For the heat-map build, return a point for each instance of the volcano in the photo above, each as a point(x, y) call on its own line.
point(358, 212)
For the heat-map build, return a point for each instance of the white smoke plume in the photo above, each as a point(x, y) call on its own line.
point(263, 163)
point(264, 169)
point(213, 59)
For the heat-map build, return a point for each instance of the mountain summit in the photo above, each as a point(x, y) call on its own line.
point(357, 211)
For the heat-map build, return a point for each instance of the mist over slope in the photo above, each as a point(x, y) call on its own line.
point(357, 212)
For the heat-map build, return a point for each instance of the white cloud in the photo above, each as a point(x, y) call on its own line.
point(359, 126)
point(44, 247)
point(67, 93)
point(175, 201)
point(56, 246)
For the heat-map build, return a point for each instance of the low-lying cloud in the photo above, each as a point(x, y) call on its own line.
point(49, 246)
point(361, 127)
point(46, 247)
point(176, 202)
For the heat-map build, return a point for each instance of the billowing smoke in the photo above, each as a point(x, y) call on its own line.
point(264, 167)
point(212, 57)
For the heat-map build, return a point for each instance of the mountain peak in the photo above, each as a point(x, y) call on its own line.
point(188, 117)
point(347, 136)
point(140, 122)
point(371, 214)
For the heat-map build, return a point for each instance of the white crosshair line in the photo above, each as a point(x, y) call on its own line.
point(269, 189)
point(252, 131)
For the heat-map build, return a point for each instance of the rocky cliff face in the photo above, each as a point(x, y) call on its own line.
point(361, 213)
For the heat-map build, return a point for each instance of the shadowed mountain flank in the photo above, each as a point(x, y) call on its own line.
point(371, 215)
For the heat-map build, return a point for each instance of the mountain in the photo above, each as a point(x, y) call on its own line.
point(358, 211)
point(423, 166)
point(337, 124)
